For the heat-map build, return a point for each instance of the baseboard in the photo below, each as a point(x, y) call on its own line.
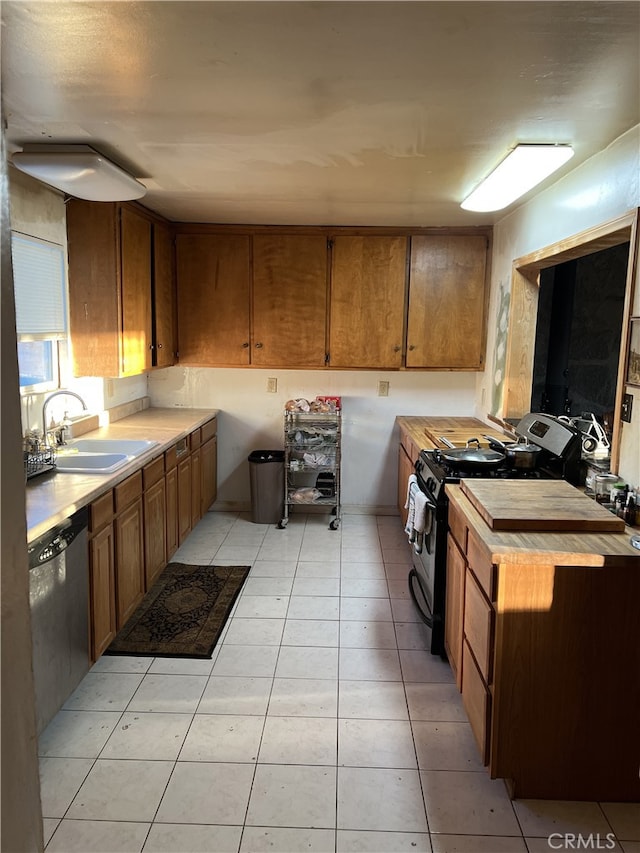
point(346, 509)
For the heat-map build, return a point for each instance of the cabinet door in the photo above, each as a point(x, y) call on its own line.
point(289, 300)
point(184, 498)
point(154, 532)
point(213, 294)
point(102, 597)
point(135, 249)
point(129, 560)
point(171, 496)
point(447, 316)
point(164, 301)
point(196, 487)
point(367, 301)
point(454, 608)
point(209, 464)
point(94, 291)
point(405, 470)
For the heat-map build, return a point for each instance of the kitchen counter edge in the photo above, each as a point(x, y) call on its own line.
point(52, 498)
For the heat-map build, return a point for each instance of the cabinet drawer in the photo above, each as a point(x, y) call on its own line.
point(458, 527)
point(153, 472)
point(478, 624)
point(481, 566)
point(209, 429)
point(170, 458)
point(477, 702)
point(195, 439)
point(101, 512)
point(128, 491)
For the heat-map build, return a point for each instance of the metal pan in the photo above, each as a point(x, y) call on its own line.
point(472, 457)
point(520, 453)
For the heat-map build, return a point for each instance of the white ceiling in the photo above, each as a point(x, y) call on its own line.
point(354, 113)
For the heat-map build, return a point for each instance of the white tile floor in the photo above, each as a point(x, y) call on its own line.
point(320, 724)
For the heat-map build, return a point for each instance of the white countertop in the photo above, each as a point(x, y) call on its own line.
point(53, 497)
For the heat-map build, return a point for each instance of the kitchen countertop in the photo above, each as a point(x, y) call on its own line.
point(456, 428)
point(566, 548)
point(51, 498)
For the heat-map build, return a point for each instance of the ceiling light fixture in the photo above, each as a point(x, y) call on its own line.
point(522, 169)
point(79, 171)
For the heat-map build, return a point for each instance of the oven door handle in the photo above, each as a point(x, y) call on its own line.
point(426, 536)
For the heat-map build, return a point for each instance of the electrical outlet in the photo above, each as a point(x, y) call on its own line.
point(383, 388)
point(272, 385)
point(627, 405)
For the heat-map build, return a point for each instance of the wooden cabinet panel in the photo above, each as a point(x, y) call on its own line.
point(478, 626)
point(114, 275)
point(171, 497)
point(209, 429)
point(213, 294)
point(454, 608)
point(447, 302)
point(153, 472)
point(405, 469)
point(164, 296)
point(367, 301)
point(135, 247)
point(289, 300)
point(101, 512)
point(128, 490)
point(94, 289)
point(155, 553)
point(129, 560)
point(477, 702)
point(102, 599)
point(481, 566)
point(184, 498)
point(196, 488)
point(209, 464)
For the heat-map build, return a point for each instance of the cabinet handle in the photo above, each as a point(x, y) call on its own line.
point(159, 346)
point(411, 346)
point(150, 346)
point(258, 346)
point(397, 349)
point(245, 345)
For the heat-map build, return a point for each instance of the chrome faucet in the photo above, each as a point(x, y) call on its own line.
point(60, 436)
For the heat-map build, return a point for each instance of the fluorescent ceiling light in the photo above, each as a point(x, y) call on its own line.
point(522, 169)
point(79, 171)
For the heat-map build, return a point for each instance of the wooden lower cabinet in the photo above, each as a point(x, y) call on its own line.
point(209, 465)
point(155, 514)
point(130, 576)
point(196, 487)
point(405, 469)
point(454, 612)
point(184, 498)
point(102, 593)
point(171, 497)
point(477, 701)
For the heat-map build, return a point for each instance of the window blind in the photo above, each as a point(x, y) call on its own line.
point(39, 286)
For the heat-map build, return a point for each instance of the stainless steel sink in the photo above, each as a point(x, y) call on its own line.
point(129, 447)
point(90, 463)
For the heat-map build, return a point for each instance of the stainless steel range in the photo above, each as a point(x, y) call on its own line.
point(558, 449)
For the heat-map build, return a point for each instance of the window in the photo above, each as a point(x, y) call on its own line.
point(41, 311)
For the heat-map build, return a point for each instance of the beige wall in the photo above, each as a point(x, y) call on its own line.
point(600, 190)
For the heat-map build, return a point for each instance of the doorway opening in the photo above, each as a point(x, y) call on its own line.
point(578, 334)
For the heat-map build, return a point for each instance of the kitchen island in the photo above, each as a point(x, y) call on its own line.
point(543, 634)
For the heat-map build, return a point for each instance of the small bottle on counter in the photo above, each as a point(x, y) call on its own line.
point(630, 510)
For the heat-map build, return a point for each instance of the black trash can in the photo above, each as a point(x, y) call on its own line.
point(266, 471)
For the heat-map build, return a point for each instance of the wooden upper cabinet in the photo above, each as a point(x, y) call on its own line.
point(113, 277)
point(135, 247)
point(289, 300)
point(367, 301)
point(447, 302)
point(213, 294)
point(163, 296)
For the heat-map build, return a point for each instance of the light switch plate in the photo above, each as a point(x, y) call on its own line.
point(272, 385)
point(383, 388)
point(627, 405)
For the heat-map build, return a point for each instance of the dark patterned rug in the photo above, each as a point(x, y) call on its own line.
point(183, 613)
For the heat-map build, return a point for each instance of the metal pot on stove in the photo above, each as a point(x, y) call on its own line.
point(521, 454)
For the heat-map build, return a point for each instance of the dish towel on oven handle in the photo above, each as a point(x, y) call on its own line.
point(416, 503)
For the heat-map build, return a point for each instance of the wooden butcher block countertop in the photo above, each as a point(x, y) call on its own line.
point(427, 432)
point(558, 548)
